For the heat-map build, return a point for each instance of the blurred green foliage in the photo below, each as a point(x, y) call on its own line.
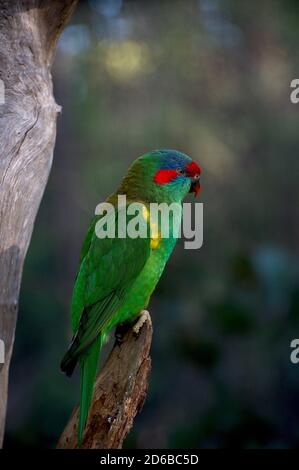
point(210, 78)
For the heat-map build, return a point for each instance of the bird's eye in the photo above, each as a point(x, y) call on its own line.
point(181, 172)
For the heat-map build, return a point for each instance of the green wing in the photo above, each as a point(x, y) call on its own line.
point(108, 269)
point(87, 241)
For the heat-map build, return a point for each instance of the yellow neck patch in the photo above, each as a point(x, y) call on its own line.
point(155, 235)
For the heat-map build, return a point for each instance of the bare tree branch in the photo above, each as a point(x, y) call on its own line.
point(29, 30)
point(119, 394)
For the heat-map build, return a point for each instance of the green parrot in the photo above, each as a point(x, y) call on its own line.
point(118, 275)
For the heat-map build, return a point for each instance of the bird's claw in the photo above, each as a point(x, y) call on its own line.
point(120, 332)
point(119, 338)
point(143, 317)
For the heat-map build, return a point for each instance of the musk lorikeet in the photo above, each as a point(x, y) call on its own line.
point(118, 275)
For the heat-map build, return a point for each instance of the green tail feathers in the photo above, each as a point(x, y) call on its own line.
point(88, 368)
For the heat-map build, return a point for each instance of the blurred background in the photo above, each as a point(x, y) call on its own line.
point(210, 78)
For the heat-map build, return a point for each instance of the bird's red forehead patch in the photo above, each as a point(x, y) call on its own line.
point(165, 176)
point(193, 169)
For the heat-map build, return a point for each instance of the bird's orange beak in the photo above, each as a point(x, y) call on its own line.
point(195, 186)
point(193, 171)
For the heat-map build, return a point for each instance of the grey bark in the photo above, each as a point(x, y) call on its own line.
point(119, 393)
point(28, 34)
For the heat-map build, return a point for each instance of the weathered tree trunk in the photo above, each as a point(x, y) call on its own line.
point(28, 34)
point(119, 394)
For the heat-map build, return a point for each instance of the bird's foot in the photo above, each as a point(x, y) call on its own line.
point(143, 317)
point(120, 332)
